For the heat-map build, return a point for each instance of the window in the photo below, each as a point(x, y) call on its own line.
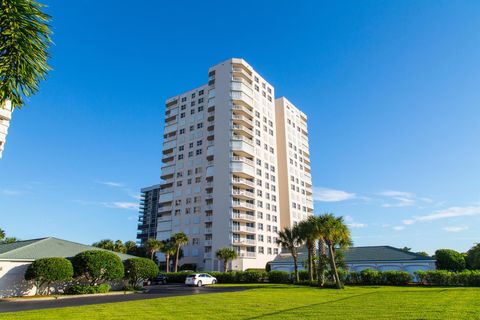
point(181, 131)
point(180, 156)
point(200, 108)
point(181, 148)
point(199, 143)
point(199, 125)
point(182, 115)
point(198, 152)
point(184, 99)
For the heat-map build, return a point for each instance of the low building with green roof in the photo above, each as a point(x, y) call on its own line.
point(380, 258)
point(17, 256)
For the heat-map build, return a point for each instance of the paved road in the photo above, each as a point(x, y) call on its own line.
point(169, 290)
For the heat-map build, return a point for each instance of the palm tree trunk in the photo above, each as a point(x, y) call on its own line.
point(176, 258)
point(225, 263)
point(167, 261)
point(321, 263)
point(334, 266)
point(310, 266)
point(5, 118)
point(295, 265)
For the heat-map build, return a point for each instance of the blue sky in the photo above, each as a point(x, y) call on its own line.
point(391, 89)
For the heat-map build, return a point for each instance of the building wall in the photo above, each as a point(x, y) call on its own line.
point(12, 282)
point(220, 172)
point(147, 222)
point(5, 117)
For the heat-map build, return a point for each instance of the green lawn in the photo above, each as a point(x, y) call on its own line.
point(286, 302)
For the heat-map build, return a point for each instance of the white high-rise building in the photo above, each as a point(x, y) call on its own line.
point(236, 168)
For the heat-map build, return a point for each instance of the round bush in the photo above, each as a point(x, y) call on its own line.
point(450, 260)
point(48, 271)
point(139, 269)
point(98, 266)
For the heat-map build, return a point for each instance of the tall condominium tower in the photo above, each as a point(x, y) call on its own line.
point(147, 222)
point(235, 170)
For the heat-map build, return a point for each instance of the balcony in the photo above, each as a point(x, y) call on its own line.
point(244, 241)
point(243, 160)
point(242, 170)
point(168, 158)
point(239, 129)
point(167, 172)
point(243, 148)
point(241, 97)
point(239, 119)
point(243, 205)
point(243, 229)
point(239, 72)
point(207, 243)
point(243, 194)
point(243, 182)
point(247, 254)
point(208, 218)
point(207, 255)
point(168, 146)
point(209, 207)
point(243, 217)
point(208, 230)
point(164, 209)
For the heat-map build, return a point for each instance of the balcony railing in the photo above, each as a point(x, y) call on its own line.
point(242, 216)
point(243, 204)
point(240, 192)
point(243, 181)
point(243, 159)
point(243, 229)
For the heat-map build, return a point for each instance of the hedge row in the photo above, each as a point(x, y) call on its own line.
point(372, 277)
point(467, 278)
point(88, 289)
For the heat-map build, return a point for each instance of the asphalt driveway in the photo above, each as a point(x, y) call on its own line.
point(161, 291)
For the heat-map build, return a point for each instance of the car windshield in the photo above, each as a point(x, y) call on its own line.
point(191, 276)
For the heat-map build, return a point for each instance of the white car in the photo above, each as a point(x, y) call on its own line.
point(199, 279)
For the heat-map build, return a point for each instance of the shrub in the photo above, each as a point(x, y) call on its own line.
point(49, 270)
point(450, 260)
point(370, 277)
point(98, 266)
point(251, 276)
point(225, 277)
point(396, 278)
point(279, 277)
point(470, 278)
point(303, 275)
point(88, 289)
point(473, 257)
point(138, 269)
point(177, 277)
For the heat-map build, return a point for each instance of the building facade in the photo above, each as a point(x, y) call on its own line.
point(147, 221)
point(222, 168)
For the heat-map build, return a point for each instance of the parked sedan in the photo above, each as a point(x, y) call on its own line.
point(160, 279)
point(200, 279)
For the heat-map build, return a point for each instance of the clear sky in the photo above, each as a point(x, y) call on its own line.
point(391, 89)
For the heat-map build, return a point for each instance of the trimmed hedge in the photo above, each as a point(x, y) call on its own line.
point(140, 269)
point(48, 271)
point(373, 277)
point(466, 278)
point(98, 266)
point(223, 277)
point(279, 277)
point(88, 289)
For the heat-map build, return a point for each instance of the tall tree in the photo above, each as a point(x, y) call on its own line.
point(118, 246)
point(2, 234)
point(337, 234)
point(308, 235)
point(24, 42)
point(226, 254)
point(106, 244)
point(152, 246)
point(131, 247)
point(473, 257)
point(180, 239)
point(320, 224)
point(289, 238)
point(168, 249)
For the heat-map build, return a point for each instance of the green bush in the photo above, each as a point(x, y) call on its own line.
point(88, 289)
point(140, 269)
point(396, 278)
point(370, 277)
point(466, 278)
point(177, 277)
point(450, 260)
point(98, 266)
point(279, 277)
point(303, 275)
point(48, 271)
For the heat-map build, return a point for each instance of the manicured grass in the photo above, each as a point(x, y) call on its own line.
point(286, 302)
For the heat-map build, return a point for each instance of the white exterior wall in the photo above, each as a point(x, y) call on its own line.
point(5, 117)
point(12, 282)
point(233, 199)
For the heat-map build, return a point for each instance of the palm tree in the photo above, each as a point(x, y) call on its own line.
point(179, 239)
point(168, 249)
point(306, 229)
point(2, 234)
point(226, 254)
point(319, 224)
point(106, 244)
point(289, 238)
point(337, 234)
point(131, 246)
point(24, 43)
point(118, 246)
point(152, 246)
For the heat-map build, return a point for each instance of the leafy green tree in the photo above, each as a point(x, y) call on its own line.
point(451, 260)
point(180, 239)
point(168, 248)
point(473, 257)
point(306, 229)
point(139, 269)
point(406, 249)
point(106, 244)
point(336, 235)
point(118, 246)
point(152, 246)
point(98, 266)
point(48, 271)
point(2, 234)
point(423, 253)
point(24, 43)
point(289, 238)
point(131, 247)
point(226, 254)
